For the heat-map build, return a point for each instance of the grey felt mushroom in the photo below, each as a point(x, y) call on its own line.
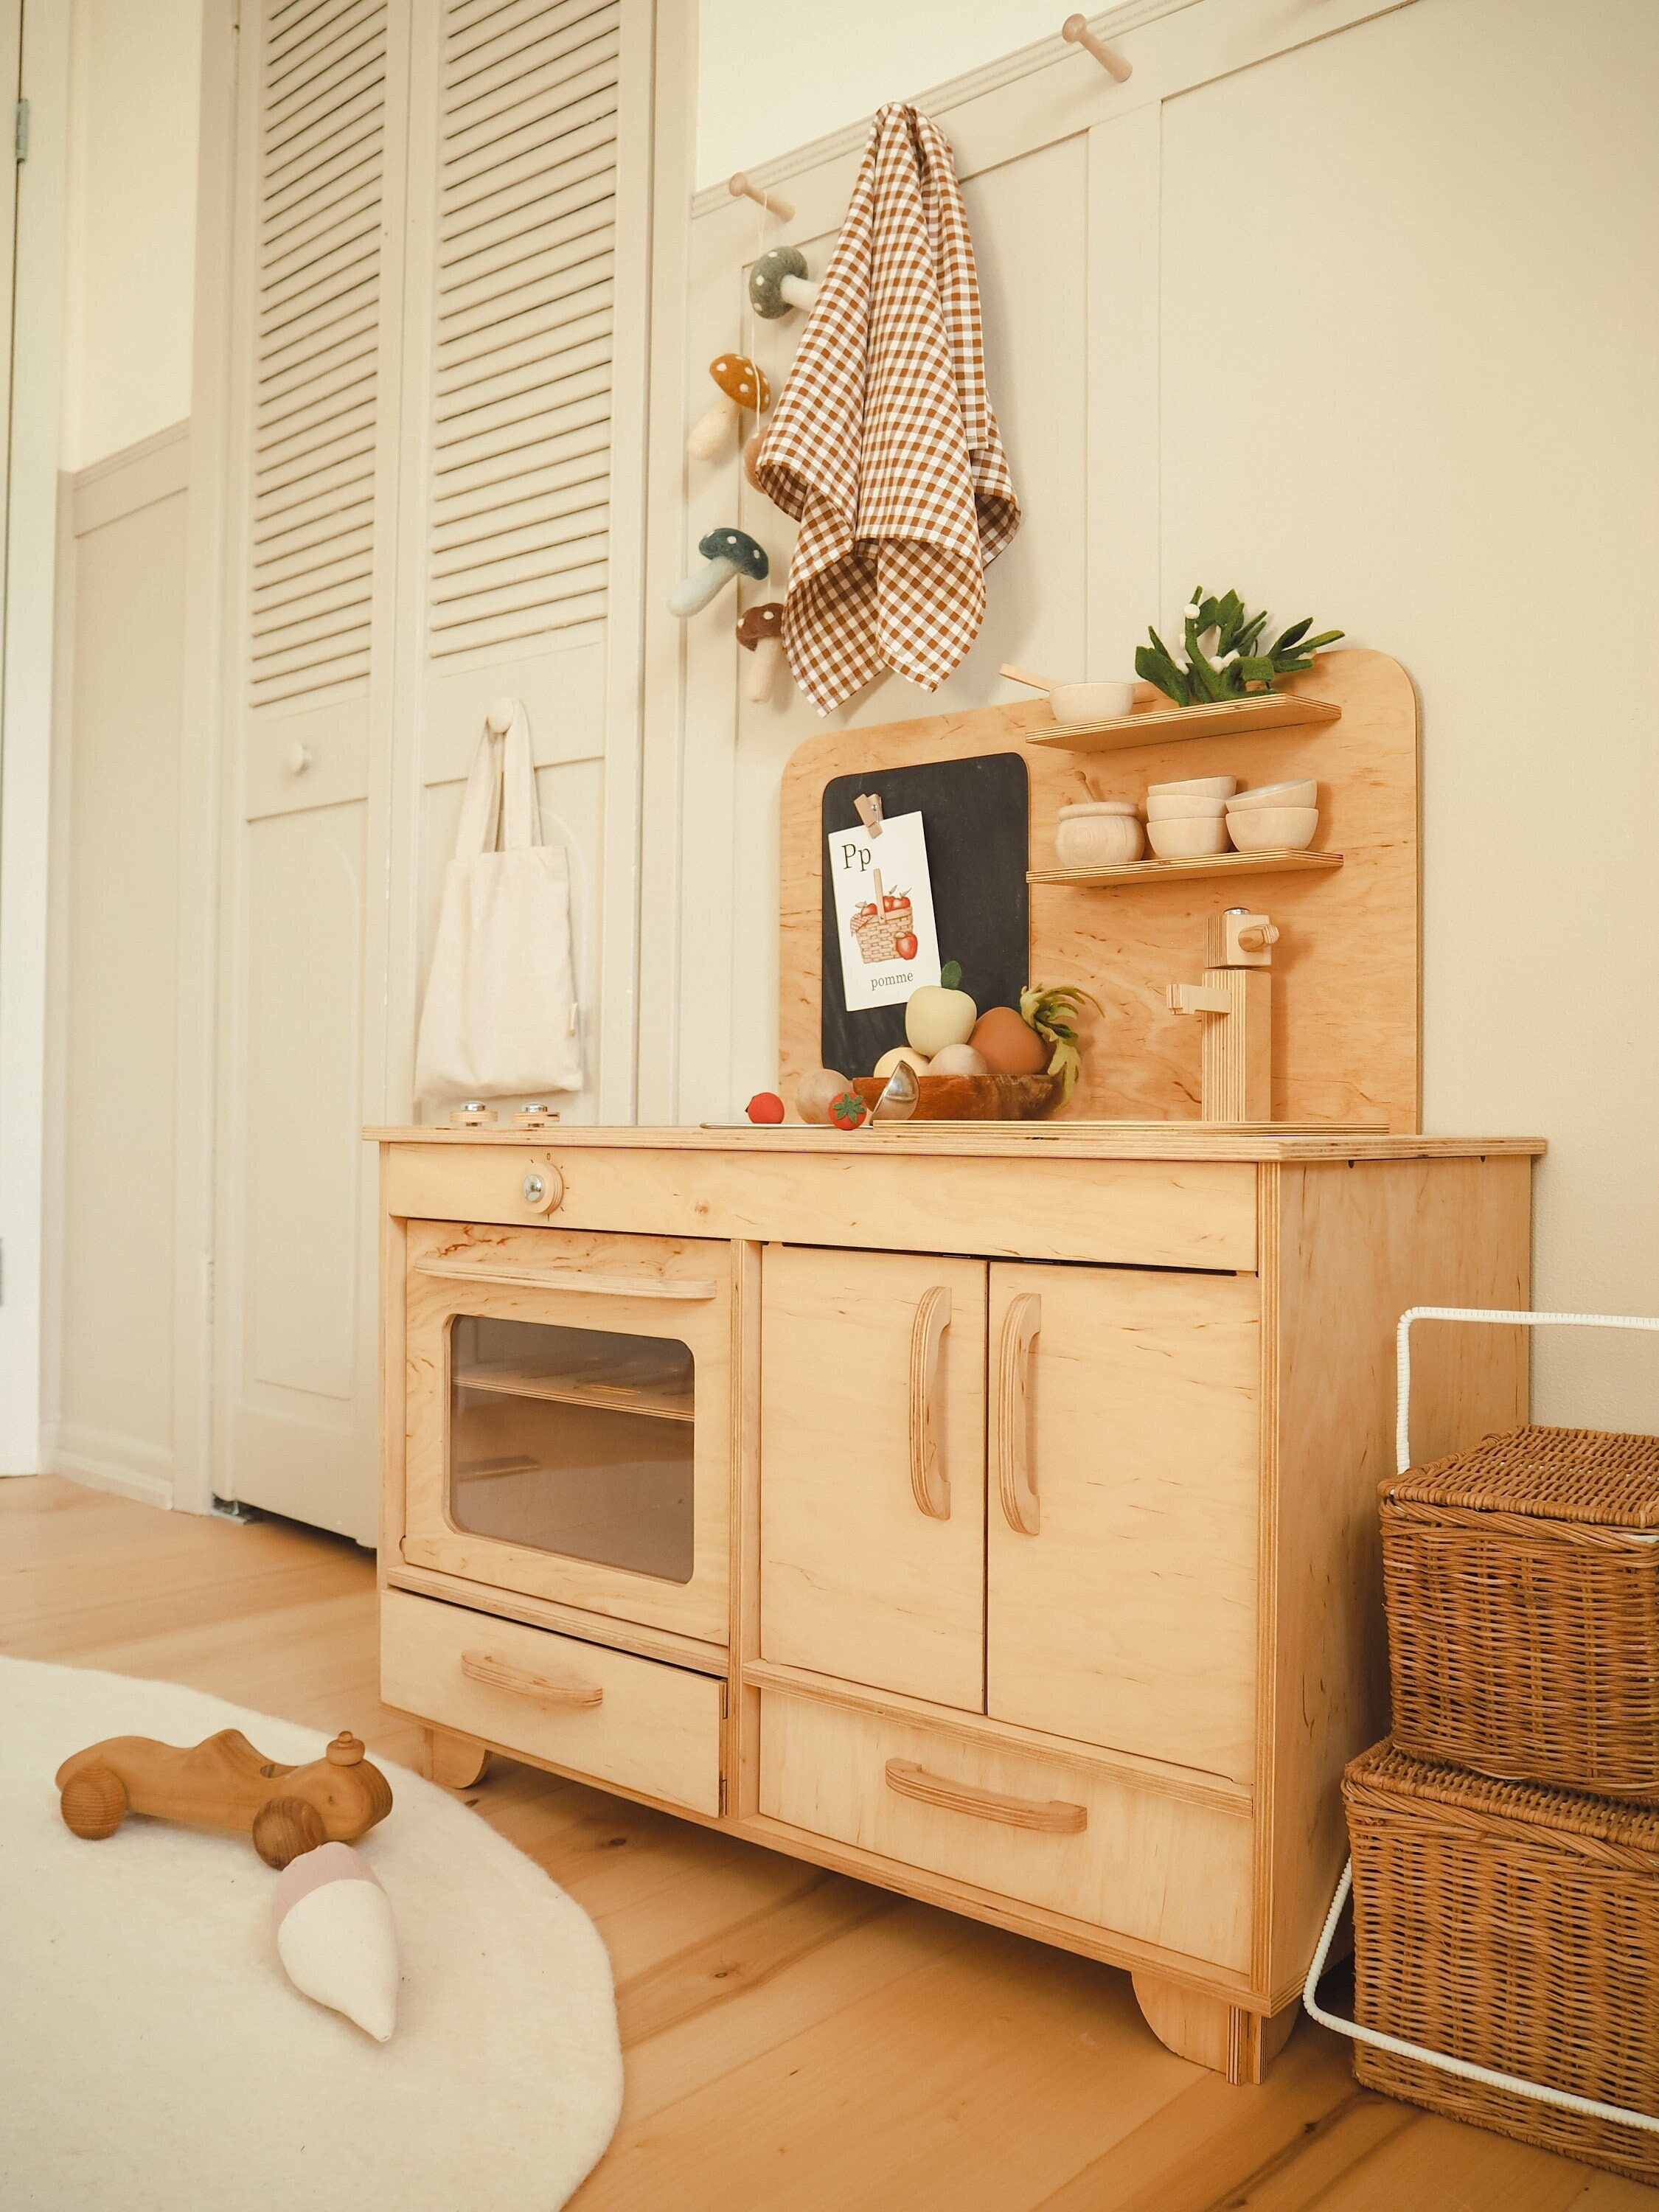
point(727, 553)
point(761, 631)
point(740, 386)
point(778, 282)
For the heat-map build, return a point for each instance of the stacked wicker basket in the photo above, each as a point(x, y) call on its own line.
point(1506, 1841)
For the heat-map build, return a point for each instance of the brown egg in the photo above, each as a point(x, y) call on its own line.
point(814, 1091)
point(1007, 1045)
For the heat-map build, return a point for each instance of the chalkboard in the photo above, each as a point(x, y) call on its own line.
point(977, 816)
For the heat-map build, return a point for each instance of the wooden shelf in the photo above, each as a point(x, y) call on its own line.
point(1158, 871)
point(658, 1404)
point(1164, 726)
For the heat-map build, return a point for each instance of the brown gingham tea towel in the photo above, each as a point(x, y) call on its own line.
point(884, 445)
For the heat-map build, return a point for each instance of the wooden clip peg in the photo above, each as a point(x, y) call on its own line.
point(869, 812)
point(741, 189)
point(1076, 33)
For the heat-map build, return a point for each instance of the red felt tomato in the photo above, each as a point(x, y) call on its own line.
point(905, 947)
point(765, 1106)
point(848, 1111)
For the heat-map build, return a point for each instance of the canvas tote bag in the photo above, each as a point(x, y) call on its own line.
point(499, 1018)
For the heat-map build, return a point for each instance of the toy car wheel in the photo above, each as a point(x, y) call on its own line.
point(285, 1827)
point(93, 1802)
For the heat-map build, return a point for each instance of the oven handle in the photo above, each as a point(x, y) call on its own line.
point(572, 1278)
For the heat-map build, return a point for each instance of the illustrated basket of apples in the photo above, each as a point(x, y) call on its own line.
point(881, 927)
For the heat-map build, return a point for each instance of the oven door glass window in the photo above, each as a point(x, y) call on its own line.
point(576, 1441)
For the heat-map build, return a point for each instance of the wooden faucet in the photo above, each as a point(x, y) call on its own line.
point(1234, 1003)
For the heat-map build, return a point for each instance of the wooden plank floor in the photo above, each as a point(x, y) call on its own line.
point(794, 2040)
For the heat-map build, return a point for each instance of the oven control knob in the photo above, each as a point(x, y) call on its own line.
point(543, 1188)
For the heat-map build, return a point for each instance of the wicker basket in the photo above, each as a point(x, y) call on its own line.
point(1522, 1580)
point(1515, 1928)
point(877, 936)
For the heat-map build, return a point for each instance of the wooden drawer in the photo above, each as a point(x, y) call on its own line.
point(1162, 1867)
point(602, 1714)
point(1150, 1213)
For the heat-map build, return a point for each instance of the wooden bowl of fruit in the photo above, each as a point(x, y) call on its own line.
point(974, 1098)
point(1008, 1064)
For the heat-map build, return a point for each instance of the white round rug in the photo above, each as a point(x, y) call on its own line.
point(154, 2056)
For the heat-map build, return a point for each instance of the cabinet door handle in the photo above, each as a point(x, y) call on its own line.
point(484, 1666)
point(1015, 1478)
point(930, 1485)
point(1052, 1816)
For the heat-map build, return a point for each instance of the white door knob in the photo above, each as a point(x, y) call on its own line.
point(297, 757)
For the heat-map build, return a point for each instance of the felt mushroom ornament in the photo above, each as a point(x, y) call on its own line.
point(742, 388)
point(726, 553)
point(761, 631)
point(778, 282)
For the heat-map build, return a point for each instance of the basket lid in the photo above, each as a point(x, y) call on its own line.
point(1385, 1772)
point(1554, 1475)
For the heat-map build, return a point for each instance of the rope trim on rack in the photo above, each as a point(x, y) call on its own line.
point(1565, 2099)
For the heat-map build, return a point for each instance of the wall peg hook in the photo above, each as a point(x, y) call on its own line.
point(1076, 33)
point(741, 189)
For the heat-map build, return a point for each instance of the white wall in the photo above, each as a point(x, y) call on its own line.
point(1441, 433)
point(772, 78)
point(134, 82)
point(1371, 332)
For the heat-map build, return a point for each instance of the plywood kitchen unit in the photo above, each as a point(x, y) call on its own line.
point(989, 1511)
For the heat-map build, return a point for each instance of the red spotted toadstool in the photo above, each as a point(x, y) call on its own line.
point(761, 631)
point(778, 282)
point(727, 553)
point(742, 388)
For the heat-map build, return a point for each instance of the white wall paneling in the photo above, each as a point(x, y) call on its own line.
point(120, 611)
point(1442, 435)
point(1059, 169)
point(1332, 301)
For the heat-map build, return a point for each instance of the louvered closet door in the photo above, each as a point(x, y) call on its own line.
point(525, 412)
point(314, 497)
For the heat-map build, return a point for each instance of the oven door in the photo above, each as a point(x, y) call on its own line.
point(569, 1423)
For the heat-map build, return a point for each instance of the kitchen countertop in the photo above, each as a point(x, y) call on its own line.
point(1068, 1140)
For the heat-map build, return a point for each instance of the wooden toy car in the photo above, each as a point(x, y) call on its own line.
point(224, 1782)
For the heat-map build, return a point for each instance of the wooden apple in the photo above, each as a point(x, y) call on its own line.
point(936, 1016)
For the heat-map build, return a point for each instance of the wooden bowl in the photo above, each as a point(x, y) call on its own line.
point(974, 1098)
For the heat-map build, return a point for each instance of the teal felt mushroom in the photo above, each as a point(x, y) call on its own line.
point(727, 553)
point(778, 282)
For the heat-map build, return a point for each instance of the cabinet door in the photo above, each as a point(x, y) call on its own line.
point(872, 1469)
point(1122, 1560)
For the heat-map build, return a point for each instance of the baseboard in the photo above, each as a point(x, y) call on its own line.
point(105, 1461)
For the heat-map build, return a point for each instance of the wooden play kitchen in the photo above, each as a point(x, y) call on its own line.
point(988, 1510)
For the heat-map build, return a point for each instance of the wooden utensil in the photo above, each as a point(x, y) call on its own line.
point(224, 1782)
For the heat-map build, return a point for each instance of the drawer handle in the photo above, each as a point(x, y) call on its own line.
point(929, 1484)
point(484, 1666)
point(569, 1279)
point(1016, 1481)
point(1052, 1816)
